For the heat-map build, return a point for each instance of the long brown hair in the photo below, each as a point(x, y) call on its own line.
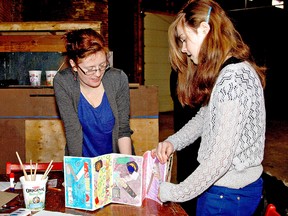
point(195, 82)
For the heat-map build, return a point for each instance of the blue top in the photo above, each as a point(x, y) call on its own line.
point(97, 126)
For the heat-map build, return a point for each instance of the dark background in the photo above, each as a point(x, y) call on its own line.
point(263, 27)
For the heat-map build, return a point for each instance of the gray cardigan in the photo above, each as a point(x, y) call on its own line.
point(67, 93)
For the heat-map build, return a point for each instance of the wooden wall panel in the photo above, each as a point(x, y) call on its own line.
point(25, 102)
point(31, 43)
point(44, 140)
point(146, 134)
point(144, 102)
point(157, 67)
point(12, 139)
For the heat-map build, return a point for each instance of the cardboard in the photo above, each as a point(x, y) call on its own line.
point(6, 197)
point(144, 102)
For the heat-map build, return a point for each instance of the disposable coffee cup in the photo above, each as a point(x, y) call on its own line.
point(50, 76)
point(35, 77)
point(34, 192)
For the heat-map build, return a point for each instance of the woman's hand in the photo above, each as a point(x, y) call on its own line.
point(163, 151)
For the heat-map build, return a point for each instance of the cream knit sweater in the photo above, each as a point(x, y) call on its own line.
point(232, 129)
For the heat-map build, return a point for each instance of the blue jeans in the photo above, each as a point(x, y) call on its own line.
point(230, 202)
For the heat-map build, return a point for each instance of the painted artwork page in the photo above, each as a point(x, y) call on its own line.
point(154, 173)
point(127, 179)
point(78, 183)
point(102, 176)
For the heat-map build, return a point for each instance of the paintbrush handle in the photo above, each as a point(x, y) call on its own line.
point(25, 174)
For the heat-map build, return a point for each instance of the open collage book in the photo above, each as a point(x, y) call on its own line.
point(91, 183)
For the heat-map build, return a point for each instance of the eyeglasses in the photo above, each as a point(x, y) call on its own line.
point(102, 67)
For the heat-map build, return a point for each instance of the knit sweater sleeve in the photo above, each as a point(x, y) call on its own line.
point(226, 116)
point(189, 132)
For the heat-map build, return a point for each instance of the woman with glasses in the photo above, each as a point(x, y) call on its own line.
point(93, 98)
point(217, 71)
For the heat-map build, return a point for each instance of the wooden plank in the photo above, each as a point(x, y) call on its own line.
point(146, 134)
point(144, 102)
point(12, 139)
point(31, 43)
point(48, 26)
point(38, 36)
point(44, 140)
point(41, 101)
point(35, 102)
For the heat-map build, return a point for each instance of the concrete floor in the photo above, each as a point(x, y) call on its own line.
point(275, 161)
point(276, 150)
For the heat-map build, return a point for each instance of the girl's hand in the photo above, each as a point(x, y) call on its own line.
point(163, 151)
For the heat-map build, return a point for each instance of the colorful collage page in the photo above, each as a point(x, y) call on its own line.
point(91, 183)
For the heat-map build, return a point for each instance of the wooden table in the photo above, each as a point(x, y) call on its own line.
point(55, 201)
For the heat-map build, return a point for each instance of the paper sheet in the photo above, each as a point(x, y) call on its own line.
point(5, 197)
point(51, 213)
point(4, 186)
point(18, 186)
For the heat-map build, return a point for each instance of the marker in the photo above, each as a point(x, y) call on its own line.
point(11, 176)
